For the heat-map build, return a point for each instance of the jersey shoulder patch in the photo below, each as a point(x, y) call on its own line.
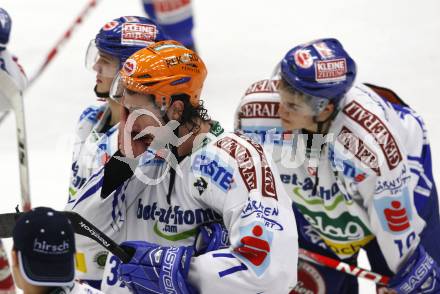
point(366, 120)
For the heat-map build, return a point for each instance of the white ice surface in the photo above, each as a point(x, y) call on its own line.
point(395, 43)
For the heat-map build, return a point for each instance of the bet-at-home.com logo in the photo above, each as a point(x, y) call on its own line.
point(168, 222)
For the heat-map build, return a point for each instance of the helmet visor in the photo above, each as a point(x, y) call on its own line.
point(117, 89)
point(295, 101)
point(102, 63)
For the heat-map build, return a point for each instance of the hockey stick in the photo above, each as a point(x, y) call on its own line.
point(342, 267)
point(85, 228)
point(15, 98)
point(55, 49)
point(66, 35)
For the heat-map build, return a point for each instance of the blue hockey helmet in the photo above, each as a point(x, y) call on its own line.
point(122, 37)
point(5, 28)
point(321, 69)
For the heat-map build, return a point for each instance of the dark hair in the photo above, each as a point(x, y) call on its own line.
point(191, 113)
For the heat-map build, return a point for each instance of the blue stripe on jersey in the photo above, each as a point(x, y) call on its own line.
point(94, 176)
point(90, 192)
point(228, 255)
point(229, 271)
point(115, 201)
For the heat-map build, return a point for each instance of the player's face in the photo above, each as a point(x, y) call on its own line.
point(294, 112)
point(106, 67)
point(148, 115)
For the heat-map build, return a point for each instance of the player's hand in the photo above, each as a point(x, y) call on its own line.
point(211, 237)
point(419, 274)
point(156, 269)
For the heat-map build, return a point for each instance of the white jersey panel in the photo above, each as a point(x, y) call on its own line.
point(92, 148)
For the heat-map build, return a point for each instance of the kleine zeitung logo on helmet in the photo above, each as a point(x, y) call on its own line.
point(138, 33)
point(330, 70)
point(303, 58)
point(129, 67)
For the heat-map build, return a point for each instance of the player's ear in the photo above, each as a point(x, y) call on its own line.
point(325, 114)
point(175, 111)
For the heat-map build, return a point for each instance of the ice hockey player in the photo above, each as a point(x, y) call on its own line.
point(8, 64)
point(223, 178)
point(175, 17)
point(368, 183)
point(257, 116)
point(43, 260)
point(96, 133)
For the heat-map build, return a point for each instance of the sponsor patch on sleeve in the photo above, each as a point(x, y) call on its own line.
point(357, 147)
point(269, 189)
point(394, 213)
point(255, 247)
point(246, 165)
point(381, 134)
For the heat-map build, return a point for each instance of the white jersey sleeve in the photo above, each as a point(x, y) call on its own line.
point(245, 189)
point(10, 65)
point(370, 134)
point(92, 148)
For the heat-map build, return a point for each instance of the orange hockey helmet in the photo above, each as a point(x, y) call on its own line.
point(163, 69)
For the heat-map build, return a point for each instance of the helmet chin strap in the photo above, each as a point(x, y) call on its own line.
point(321, 124)
point(101, 94)
point(319, 130)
